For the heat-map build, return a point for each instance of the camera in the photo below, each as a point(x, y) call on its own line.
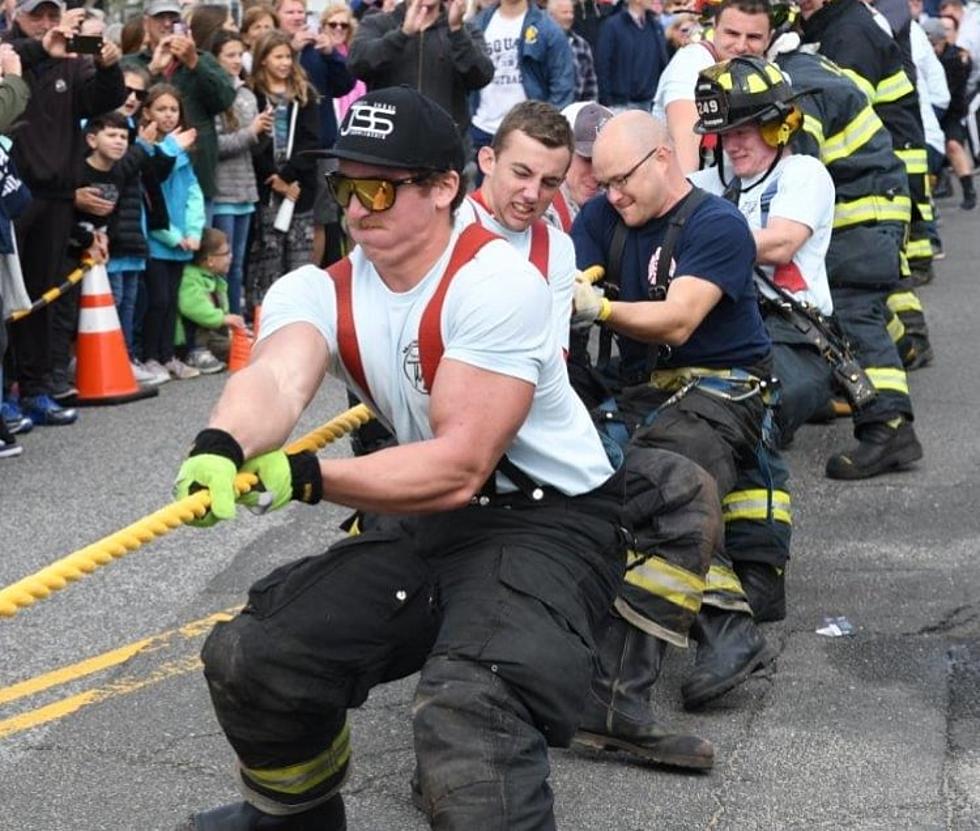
point(84, 44)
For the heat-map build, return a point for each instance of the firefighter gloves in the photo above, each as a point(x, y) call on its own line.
point(212, 464)
point(590, 305)
point(283, 477)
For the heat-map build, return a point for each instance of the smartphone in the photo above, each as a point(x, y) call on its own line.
point(84, 44)
point(313, 23)
point(180, 28)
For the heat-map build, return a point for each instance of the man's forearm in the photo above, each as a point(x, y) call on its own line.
point(650, 322)
point(257, 409)
point(421, 477)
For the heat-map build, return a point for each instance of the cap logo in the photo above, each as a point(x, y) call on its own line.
point(369, 120)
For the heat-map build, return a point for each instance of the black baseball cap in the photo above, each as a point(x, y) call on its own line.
point(399, 127)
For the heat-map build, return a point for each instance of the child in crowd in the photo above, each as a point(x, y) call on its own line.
point(239, 130)
point(285, 166)
point(128, 248)
point(204, 304)
point(170, 248)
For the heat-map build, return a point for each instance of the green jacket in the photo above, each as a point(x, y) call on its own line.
point(14, 94)
point(203, 299)
point(207, 91)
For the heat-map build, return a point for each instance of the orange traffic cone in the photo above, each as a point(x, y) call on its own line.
point(104, 375)
point(240, 349)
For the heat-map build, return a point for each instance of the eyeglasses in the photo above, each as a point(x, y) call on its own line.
point(620, 182)
point(338, 25)
point(374, 194)
point(139, 93)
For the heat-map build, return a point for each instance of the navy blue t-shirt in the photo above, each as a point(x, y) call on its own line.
point(715, 244)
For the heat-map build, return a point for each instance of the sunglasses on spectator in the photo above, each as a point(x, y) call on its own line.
point(139, 93)
point(339, 24)
point(374, 194)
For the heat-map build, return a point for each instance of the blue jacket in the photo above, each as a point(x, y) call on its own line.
point(545, 58)
point(185, 204)
point(629, 60)
point(330, 78)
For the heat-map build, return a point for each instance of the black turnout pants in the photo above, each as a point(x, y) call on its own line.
point(495, 605)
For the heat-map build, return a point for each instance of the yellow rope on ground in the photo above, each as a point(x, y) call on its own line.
point(59, 574)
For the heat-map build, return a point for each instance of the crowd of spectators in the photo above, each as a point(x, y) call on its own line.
point(187, 118)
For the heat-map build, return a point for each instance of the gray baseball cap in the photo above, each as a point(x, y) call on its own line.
point(586, 119)
point(27, 6)
point(155, 7)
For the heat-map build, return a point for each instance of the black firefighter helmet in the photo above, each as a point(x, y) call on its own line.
point(747, 90)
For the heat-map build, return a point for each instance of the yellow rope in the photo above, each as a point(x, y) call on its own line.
point(59, 574)
point(52, 294)
point(594, 273)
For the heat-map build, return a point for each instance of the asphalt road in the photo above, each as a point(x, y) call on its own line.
point(105, 722)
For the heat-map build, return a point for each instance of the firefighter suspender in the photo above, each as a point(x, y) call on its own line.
point(658, 291)
point(540, 243)
point(431, 346)
point(561, 208)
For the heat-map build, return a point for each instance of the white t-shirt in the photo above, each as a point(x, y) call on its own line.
point(681, 76)
point(799, 189)
point(561, 261)
point(502, 36)
point(497, 316)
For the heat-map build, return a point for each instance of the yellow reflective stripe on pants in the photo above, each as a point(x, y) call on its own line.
point(918, 249)
point(866, 86)
point(305, 776)
point(872, 209)
point(895, 327)
point(662, 579)
point(754, 504)
point(915, 160)
point(723, 579)
point(852, 137)
point(893, 87)
point(903, 301)
point(888, 379)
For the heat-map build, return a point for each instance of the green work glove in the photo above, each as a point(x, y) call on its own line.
point(212, 465)
point(282, 478)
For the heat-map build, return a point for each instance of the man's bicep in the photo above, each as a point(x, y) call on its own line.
point(478, 410)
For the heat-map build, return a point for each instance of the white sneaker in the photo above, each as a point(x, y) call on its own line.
point(204, 360)
point(156, 371)
point(181, 371)
point(142, 375)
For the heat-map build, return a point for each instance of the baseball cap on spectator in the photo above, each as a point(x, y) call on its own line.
point(586, 119)
point(934, 29)
point(155, 7)
point(399, 127)
point(27, 6)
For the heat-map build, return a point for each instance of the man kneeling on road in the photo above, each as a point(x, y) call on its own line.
point(515, 507)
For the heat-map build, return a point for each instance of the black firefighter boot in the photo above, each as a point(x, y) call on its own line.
point(730, 649)
point(765, 588)
point(882, 446)
point(618, 714)
point(243, 816)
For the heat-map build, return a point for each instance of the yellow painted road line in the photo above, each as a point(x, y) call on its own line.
point(74, 703)
point(90, 666)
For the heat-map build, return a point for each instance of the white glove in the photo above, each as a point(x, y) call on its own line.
point(589, 306)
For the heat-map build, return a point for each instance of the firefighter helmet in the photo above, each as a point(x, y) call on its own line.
point(747, 90)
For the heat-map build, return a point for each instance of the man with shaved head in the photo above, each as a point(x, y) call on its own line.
point(693, 375)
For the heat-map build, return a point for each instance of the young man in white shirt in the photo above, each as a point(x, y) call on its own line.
point(513, 551)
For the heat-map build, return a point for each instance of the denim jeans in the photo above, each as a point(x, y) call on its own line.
point(125, 285)
point(235, 227)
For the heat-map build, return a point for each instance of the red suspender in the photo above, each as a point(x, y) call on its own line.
point(539, 247)
point(561, 208)
point(341, 273)
point(431, 346)
point(539, 236)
